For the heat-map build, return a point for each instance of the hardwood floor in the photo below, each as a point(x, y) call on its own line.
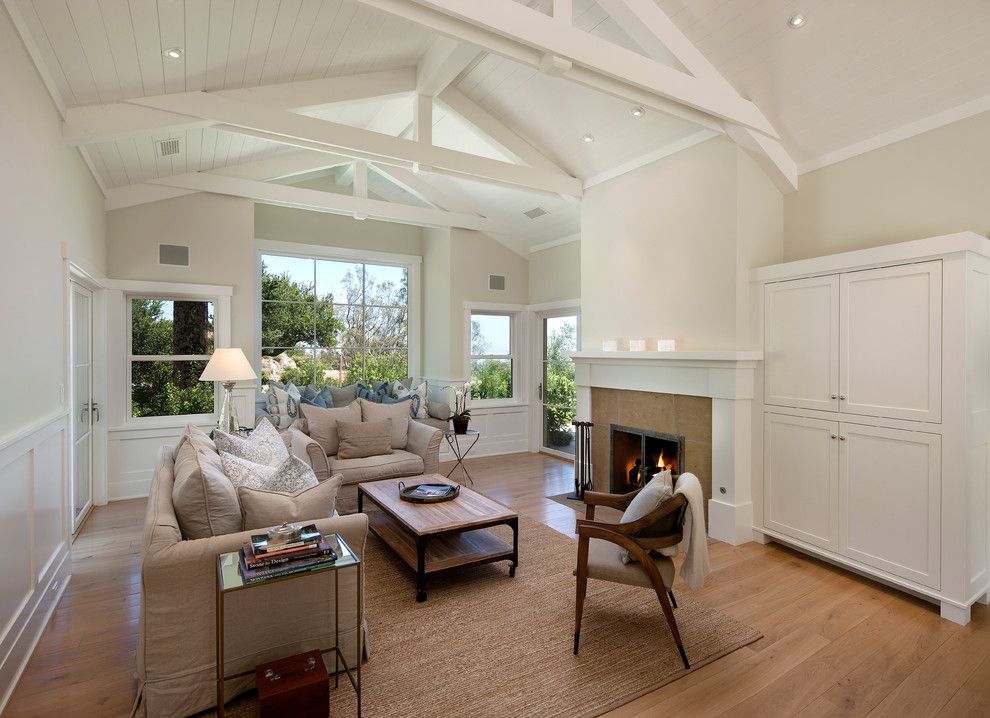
point(834, 644)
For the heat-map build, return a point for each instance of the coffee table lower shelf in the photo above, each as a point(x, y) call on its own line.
point(432, 553)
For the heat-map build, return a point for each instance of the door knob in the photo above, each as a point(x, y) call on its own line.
point(835, 396)
point(842, 438)
point(833, 436)
point(842, 396)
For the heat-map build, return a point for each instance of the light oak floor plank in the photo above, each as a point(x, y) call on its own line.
point(834, 643)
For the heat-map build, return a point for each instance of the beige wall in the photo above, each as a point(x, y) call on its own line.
point(663, 248)
point(285, 224)
point(47, 197)
point(935, 183)
point(555, 274)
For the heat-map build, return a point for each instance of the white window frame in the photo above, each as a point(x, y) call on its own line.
point(129, 289)
point(516, 349)
point(410, 262)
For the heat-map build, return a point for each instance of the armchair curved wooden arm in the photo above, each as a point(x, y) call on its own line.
point(661, 528)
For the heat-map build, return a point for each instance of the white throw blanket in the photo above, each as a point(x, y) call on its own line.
point(695, 543)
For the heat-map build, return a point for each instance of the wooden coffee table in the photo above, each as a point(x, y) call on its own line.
point(443, 536)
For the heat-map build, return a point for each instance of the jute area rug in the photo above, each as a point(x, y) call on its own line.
point(485, 644)
point(578, 506)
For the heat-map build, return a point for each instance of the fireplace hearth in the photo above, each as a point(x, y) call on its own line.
point(638, 454)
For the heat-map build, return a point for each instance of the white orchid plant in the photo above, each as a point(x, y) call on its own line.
point(462, 397)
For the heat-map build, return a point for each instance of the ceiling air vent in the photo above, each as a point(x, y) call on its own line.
point(174, 254)
point(536, 213)
point(169, 147)
point(496, 282)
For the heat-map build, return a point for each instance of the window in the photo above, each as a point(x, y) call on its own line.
point(170, 343)
point(491, 356)
point(333, 322)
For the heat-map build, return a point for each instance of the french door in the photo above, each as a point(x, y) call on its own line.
point(557, 389)
point(83, 408)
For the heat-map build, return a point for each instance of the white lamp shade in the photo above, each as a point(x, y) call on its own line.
point(228, 364)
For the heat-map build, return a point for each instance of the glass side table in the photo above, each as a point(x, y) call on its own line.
point(460, 453)
point(229, 579)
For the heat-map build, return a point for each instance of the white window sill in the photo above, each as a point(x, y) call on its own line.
point(483, 405)
point(156, 423)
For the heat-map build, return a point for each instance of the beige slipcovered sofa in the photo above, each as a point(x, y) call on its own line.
point(176, 656)
point(420, 455)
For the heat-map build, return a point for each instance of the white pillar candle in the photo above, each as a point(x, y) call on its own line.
point(610, 345)
point(637, 345)
point(666, 345)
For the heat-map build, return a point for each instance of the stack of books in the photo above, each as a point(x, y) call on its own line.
point(261, 561)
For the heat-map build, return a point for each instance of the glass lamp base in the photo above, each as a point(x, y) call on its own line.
point(227, 420)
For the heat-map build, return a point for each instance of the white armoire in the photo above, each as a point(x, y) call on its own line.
point(872, 449)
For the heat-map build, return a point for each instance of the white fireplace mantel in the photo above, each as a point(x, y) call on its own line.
point(729, 379)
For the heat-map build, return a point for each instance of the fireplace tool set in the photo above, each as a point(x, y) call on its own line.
point(582, 459)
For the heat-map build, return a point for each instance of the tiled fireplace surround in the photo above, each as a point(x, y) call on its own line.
point(705, 396)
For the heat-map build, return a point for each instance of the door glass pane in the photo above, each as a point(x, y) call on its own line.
point(81, 389)
point(559, 386)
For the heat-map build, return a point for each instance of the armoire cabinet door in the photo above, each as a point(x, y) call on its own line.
point(800, 485)
point(890, 500)
point(891, 342)
point(801, 343)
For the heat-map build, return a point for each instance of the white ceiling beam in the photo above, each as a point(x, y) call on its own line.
point(280, 166)
point(423, 119)
point(519, 24)
point(118, 120)
point(650, 157)
point(442, 63)
point(659, 37)
point(495, 130)
point(311, 133)
point(563, 11)
point(360, 180)
point(316, 200)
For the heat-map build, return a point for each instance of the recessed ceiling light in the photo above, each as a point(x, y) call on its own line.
point(797, 21)
point(173, 53)
point(638, 112)
point(588, 138)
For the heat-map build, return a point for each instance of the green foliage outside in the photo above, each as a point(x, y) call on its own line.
point(559, 387)
point(325, 340)
point(491, 379)
point(165, 388)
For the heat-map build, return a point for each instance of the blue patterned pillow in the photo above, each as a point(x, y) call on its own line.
point(315, 401)
point(374, 395)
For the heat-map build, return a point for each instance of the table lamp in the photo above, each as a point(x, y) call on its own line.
point(228, 366)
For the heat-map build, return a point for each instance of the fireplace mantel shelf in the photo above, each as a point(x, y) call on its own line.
point(716, 357)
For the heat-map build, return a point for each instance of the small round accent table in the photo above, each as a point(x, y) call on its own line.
point(461, 450)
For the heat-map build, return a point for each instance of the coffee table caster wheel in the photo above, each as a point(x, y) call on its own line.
point(512, 570)
point(420, 595)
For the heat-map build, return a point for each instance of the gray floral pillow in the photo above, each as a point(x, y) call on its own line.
point(263, 446)
point(290, 477)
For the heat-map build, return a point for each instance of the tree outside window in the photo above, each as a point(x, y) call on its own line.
point(491, 356)
point(329, 322)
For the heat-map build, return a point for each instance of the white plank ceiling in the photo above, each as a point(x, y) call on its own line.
point(855, 71)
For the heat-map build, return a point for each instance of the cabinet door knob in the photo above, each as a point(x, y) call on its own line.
point(842, 396)
point(833, 436)
point(842, 438)
point(835, 396)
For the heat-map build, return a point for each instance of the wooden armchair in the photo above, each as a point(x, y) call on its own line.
point(599, 545)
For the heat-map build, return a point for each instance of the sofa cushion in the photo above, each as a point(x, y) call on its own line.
point(322, 424)
point(416, 394)
point(199, 438)
point(364, 438)
point(398, 413)
point(283, 404)
point(388, 466)
point(263, 446)
point(343, 395)
point(289, 477)
point(262, 508)
point(204, 499)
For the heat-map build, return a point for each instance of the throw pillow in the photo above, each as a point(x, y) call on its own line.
point(283, 404)
point(364, 438)
point(204, 499)
point(369, 393)
point(417, 394)
point(398, 413)
point(438, 410)
point(199, 439)
point(263, 446)
point(289, 477)
point(262, 509)
point(317, 400)
point(656, 491)
point(343, 395)
point(323, 424)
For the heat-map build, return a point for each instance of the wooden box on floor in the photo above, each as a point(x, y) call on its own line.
point(294, 687)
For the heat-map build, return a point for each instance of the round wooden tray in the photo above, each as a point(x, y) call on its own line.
point(406, 493)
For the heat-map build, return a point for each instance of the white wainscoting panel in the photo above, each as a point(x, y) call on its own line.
point(34, 531)
point(504, 430)
point(132, 458)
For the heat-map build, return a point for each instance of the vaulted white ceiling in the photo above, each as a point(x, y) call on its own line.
point(855, 71)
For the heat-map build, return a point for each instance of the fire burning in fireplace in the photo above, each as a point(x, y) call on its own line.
point(638, 455)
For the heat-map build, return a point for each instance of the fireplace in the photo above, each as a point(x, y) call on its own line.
point(638, 454)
